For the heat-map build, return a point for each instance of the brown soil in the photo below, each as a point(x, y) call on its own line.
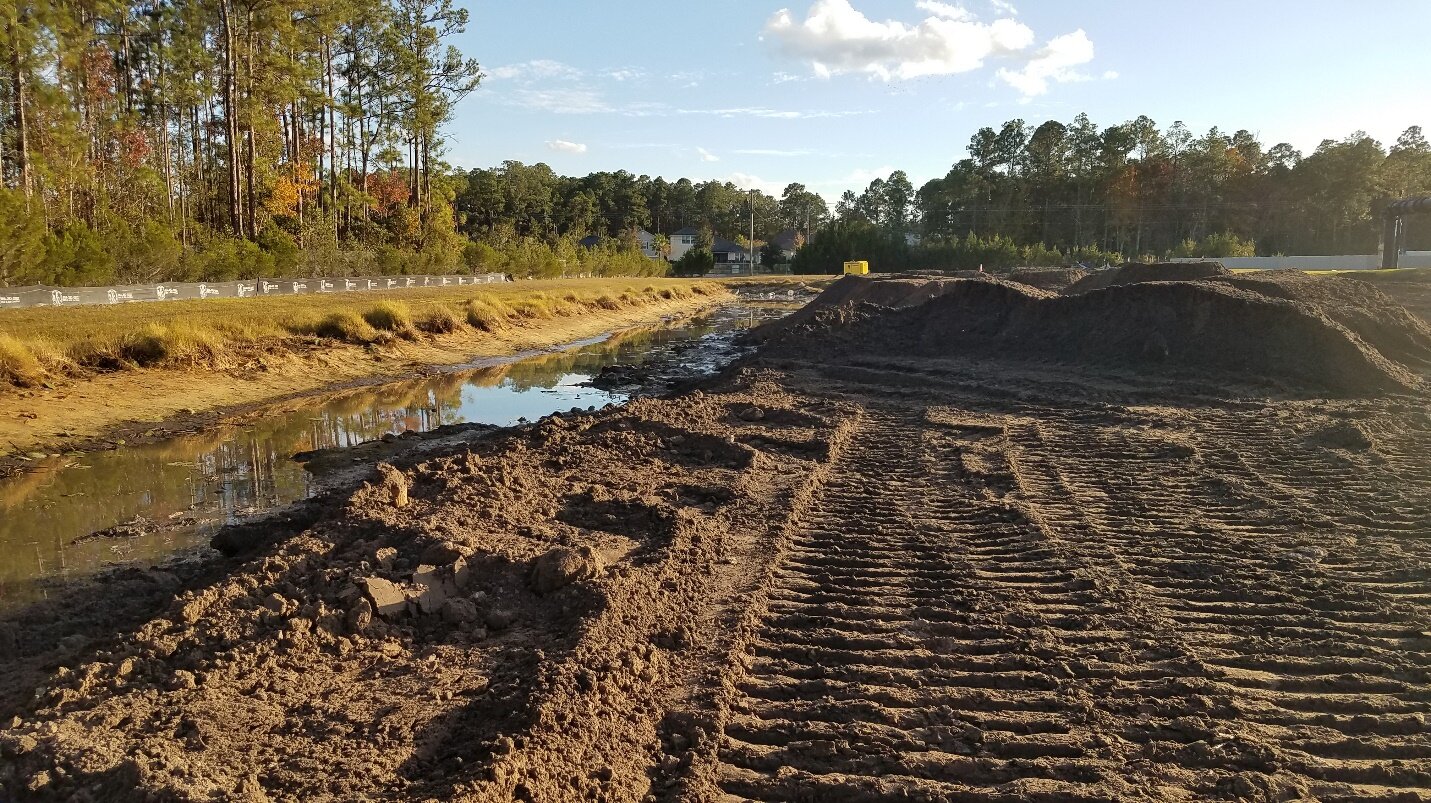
point(152, 404)
point(1137, 272)
point(1409, 288)
point(1287, 330)
point(1055, 279)
point(839, 575)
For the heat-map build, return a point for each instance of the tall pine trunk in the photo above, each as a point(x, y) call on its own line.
point(230, 79)
point(24, 177)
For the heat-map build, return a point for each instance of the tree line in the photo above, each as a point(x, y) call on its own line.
point(225, 138)
point(1060, 193)
point(212, 138)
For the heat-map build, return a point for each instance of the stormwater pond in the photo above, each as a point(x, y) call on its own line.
point(72, 516)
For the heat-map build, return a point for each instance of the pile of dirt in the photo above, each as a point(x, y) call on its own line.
point(1055, 279)
point(555, 584)
point(895, 292)
point(1360, 307)
point(1409, 287)
point(1175, 327)
point(1138, 272)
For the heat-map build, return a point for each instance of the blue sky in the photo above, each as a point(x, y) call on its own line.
point(832, 93)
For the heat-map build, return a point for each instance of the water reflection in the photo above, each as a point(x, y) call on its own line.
point(181, 490)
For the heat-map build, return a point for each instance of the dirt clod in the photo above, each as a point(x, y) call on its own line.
point(563, 566)
point(393, 485)
point(387, 598)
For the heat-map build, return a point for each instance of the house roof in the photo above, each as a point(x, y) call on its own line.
point(786, 239)
point(723, 245)
point(589, 242)
point(685, 231)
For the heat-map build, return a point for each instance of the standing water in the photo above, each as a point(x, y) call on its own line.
point(72, 516)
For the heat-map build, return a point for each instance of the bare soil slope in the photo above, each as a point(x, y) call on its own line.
point(847, 574)
point(1291, 330)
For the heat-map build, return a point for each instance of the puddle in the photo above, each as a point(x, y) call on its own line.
point(161, 498)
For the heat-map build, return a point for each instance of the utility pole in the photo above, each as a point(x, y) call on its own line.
point(752, 232)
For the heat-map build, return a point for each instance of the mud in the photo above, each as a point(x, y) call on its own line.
point(844, 574)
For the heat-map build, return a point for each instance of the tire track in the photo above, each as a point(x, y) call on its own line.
point(1267, 558)
point(926, 641)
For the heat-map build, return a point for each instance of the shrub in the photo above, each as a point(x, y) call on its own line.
point(22, 240)
point(18, 364)
point(281, 248)
point(695, 262)
point(179, 343)
point(487, 313)
point(390, 316)
point(345, 325)
point(439, 321)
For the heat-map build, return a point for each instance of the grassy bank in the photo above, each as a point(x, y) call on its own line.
point(37, 345)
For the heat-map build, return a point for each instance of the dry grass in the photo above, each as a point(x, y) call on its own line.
point(439, 321)
point(18, 364)
point(390, 316)
point(36, 343)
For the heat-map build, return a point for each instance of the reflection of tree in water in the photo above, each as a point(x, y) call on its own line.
point(223, 471)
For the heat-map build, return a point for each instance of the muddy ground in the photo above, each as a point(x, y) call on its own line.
point(837, 572)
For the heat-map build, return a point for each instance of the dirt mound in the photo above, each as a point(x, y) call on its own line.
point(526, 585)
point(1137, 272)
point(1359, 306)
point(1409, 287)
point(1055, 279)
point(1151, 326)
point(894, 292)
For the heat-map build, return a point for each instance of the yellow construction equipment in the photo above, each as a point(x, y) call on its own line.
point(858, 268)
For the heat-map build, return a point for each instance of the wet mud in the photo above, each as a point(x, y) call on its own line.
point(829, 574)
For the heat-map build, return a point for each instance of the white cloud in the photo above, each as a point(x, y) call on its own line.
point(558, 101)
point(1110, 75)
point(836, 38)
point(746, 181)
point(944, 10)
point(581, 100)
point(772, 152)
point(624, 74)
point(1056, 62)
point(536, 70)
point(706, 156)
point(863, 176)
point(565, 146)
point(770, 114)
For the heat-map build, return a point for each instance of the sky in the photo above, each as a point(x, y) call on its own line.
point(833, 93)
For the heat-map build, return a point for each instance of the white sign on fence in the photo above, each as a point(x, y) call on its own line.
point(39, 296)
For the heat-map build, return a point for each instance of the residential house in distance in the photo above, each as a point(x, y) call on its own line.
point(646, 238)
point(728, 255)
point(788, 241)
point(683, 241)
point(730, 259)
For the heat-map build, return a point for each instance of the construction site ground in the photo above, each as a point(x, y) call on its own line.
point(834, 574)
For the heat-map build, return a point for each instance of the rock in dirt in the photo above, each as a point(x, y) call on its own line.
point(459, 611)
point(441, 553)
point(563, 566)
point(387, 598)
point(393, 485)
point(499, 619)
point(359, 616)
